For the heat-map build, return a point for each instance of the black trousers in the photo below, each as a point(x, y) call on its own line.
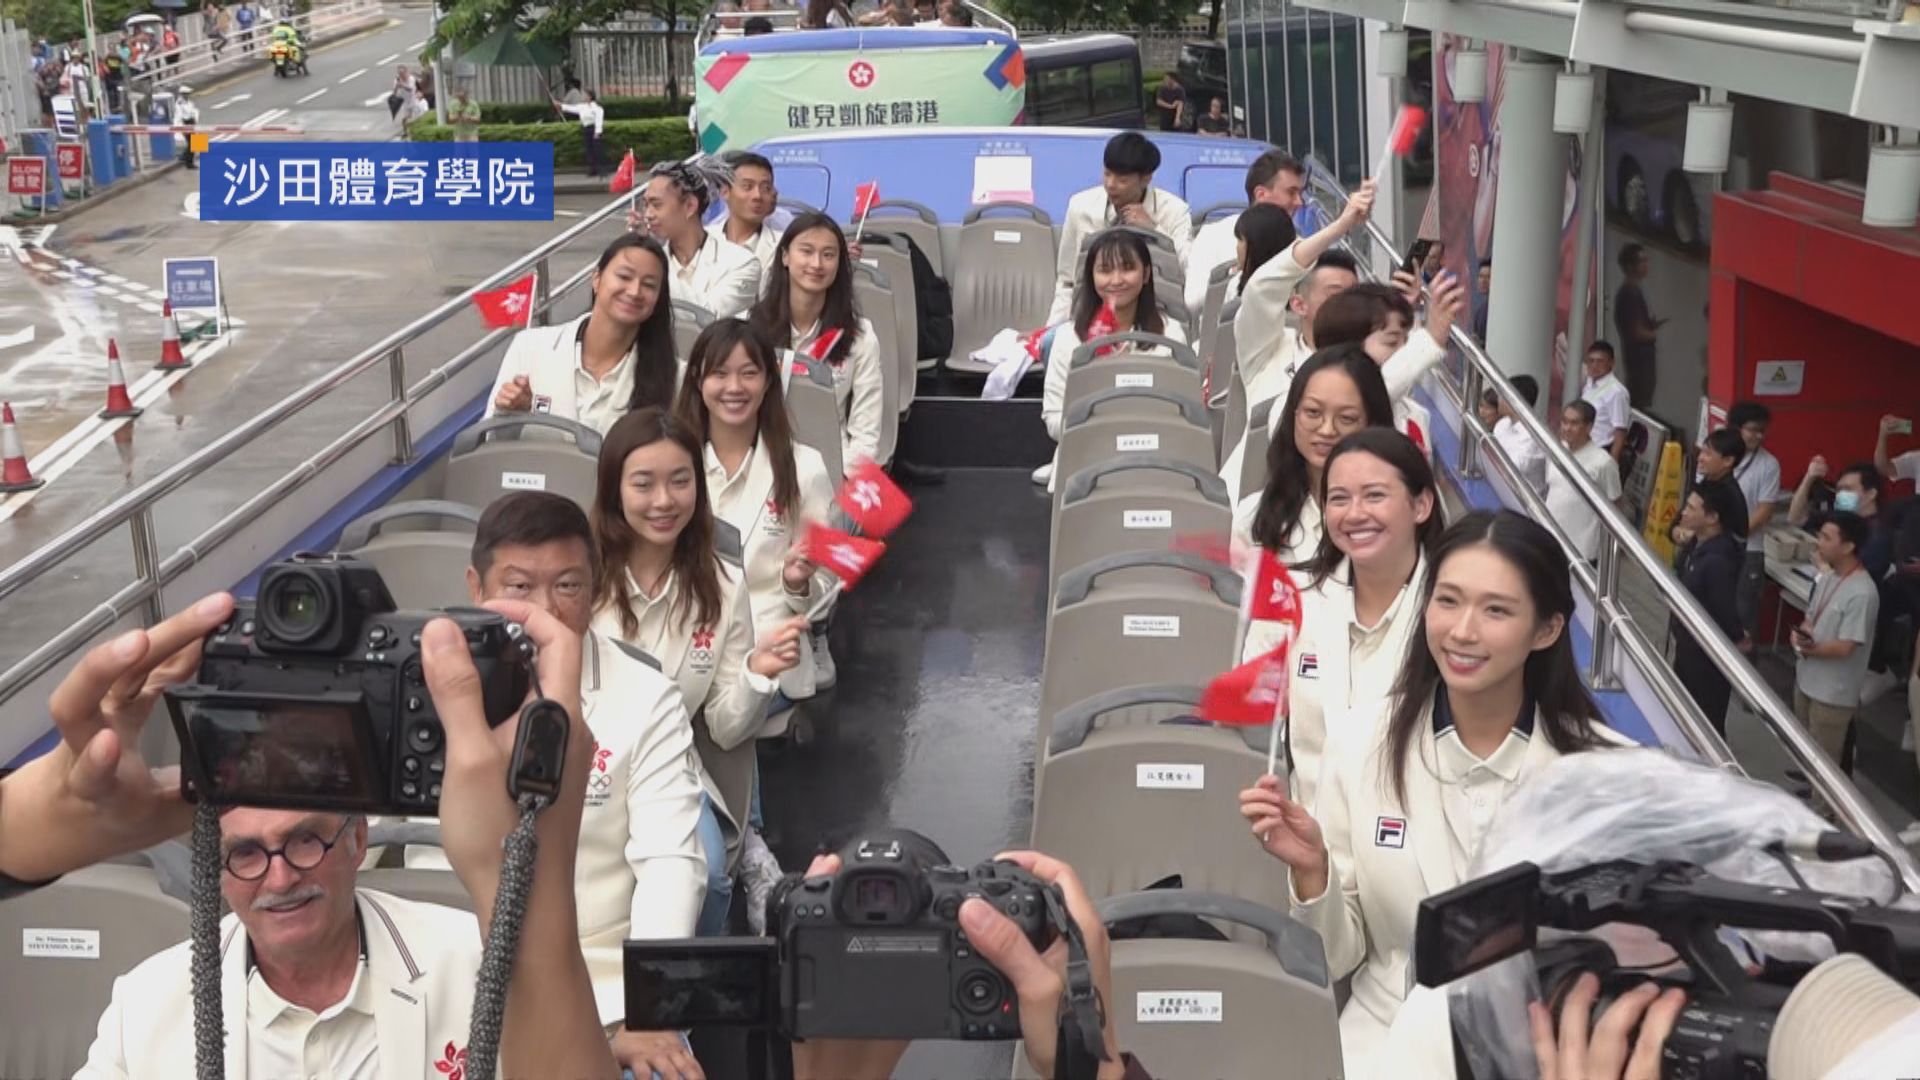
point(592, 141)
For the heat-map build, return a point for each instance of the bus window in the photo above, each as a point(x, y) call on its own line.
point(1060, 96)
point(1116, 87)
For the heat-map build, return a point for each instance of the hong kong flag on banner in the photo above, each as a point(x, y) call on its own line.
point(823, 345)
point(873, 501)
point(849, 557)
point(511, 305)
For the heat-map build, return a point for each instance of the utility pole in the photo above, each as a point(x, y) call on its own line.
point(94, 88)
point(440, 89)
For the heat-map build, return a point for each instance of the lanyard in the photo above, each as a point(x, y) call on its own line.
point(1813, 617)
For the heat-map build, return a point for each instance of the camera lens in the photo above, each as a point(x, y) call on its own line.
point(294, 606)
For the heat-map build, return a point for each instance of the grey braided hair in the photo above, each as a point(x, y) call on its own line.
point(705, 178)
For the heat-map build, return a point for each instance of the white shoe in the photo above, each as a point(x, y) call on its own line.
point(1044, 474)
point(823, 672)
point(759, 873)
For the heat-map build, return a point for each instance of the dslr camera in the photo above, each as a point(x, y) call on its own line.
point(873, 952)
point(313, 696)
point(1728, 1025)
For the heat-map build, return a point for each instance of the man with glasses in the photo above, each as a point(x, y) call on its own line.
point(318, 978)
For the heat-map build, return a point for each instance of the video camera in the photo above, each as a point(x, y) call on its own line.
point(313, 696)
point(1730, 1013)
point(874, 952)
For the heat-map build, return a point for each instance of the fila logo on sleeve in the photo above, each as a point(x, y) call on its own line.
point(1390, 832)
point(1309, 666)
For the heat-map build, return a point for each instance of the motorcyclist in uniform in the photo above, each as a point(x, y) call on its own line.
point(283, 33)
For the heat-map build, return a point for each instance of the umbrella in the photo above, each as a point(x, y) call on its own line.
point(506, 48)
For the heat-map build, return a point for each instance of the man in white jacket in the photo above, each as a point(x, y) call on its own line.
point(706, 270)
point(641, 872)
point(317, 978)
point(751, 216)
point(1276, 178)
point(1124, 196)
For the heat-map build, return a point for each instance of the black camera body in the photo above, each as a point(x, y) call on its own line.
point(1727, 1026)
point(313, 696)
point(889, 923)
point(873, 952)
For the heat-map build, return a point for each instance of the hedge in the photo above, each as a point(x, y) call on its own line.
point(618, 108)
point(650, 140)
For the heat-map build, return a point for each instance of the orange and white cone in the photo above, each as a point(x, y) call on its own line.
point(119, 404)
point(171, 358)
point(14, 475)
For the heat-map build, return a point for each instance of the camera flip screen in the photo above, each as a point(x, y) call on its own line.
point(267, 750)
point(1476, 925)
point(714, 982)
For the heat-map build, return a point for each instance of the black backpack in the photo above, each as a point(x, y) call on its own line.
point(933, 304)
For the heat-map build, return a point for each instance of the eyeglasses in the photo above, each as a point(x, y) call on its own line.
point(250, 861)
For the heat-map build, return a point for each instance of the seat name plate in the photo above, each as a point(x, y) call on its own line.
point(1178, 1007)
point(1166, 626)
point(523, 481)
point(1146, 519)
point(1125, 443)
point(1163, 776)
point(1133, 378)
point(61, 944)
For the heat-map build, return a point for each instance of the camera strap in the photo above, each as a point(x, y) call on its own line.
point(1080, 1043)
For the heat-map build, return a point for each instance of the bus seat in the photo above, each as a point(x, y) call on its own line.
point(417, 883)
point(1101, 516)
point(1207, 213)
point(1242, 1004)
point(1122, 620)
point(1132, 789)
point(873, 299)
point(492, 456)
point(689, 319)
point(76, 936)
point(796, 206)
point(1177, 370)
point(1207, 332)
point(816, 414)
point(424, 566)
point(1253, 459)
point(732, 773)
point(1003, 277)
point(1131, 420)
point(890, 255)
point(1229, 389)
point(915, 222)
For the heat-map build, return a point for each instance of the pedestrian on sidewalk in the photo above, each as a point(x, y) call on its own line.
point(400, 101)
point(213, 26)
point(244, 15)
point(464, 114)
point(592, 125)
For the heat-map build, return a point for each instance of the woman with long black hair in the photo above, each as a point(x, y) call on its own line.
point(1117, 276)
point(1359, 592)
point(1489, 695)
point(809, 308)
point(615, 358)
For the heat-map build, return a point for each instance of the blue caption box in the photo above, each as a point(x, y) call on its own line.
point(384, 181)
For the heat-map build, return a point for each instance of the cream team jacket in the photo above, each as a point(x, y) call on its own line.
point(422, 960)
point(767, 533)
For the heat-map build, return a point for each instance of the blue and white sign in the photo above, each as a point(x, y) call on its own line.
point(192, 284)
point(391, 181)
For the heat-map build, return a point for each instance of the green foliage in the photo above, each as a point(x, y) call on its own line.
point(553, 21)
point(650, 140)
point(61, 20)
point(618, 108)
point(1120, 14)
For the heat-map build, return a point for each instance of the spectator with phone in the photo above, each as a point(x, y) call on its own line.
point(1836, 638)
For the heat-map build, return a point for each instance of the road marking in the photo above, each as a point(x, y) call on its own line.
point(234, 100)
point(375, 100)
point(344, 81)
point(73, 447)
point(18, 337)
point(569, 213)
point(311, 96)
point(259, 121)
point(387, 59)
point(417, 46)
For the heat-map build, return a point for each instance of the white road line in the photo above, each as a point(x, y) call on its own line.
point(569, 213)
point(234, 100)
point(349, 78)
point(417, 46)
point(73, 447)
point(311, 96)
point(375, 100)
point(387, 59)
point(116, 279)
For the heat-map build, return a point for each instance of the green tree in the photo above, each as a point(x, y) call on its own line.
point(471, 20)
point(63, 20)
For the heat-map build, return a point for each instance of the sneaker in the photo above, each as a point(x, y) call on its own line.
point(759, 873)
point(823, 673)
point(1044, 474)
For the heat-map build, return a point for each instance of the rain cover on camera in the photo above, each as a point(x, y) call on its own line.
point(1647, 806)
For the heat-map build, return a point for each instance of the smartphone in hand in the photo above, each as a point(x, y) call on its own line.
point(1416, 257)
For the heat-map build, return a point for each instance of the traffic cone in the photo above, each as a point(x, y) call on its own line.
point(119, 405)
point(170, 355)
point(14, 475)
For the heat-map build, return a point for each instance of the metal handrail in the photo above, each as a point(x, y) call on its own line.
point(1611, 620)
point(134, 509)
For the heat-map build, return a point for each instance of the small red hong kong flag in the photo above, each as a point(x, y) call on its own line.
point(822, 346)
point(1250, 695)
point(873, 501)
point(864, 196)
point(1103, 323)
point(1400, 142)
point(622, 181)
point(849, 557)
point(1273, 597)
point(511, 305)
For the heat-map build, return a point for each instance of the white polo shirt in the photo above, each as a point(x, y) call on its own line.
point(1611, 408)
point(287, 1040)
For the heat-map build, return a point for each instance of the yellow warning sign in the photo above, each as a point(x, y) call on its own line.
point(1663, 509)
